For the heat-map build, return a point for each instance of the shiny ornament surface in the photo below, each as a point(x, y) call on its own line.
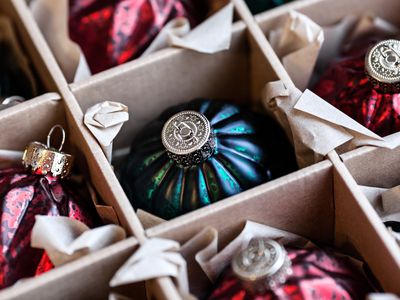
point(346, 85)
point(113, 32)
point(250, 149)
point(23, 196)
point(316, 274)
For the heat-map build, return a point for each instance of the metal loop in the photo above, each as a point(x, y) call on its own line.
point(51, 132)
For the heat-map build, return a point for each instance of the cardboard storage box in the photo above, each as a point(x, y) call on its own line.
point(321, 202)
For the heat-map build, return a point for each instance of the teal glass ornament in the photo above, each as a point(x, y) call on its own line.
point(258, 6)
point(200, 152)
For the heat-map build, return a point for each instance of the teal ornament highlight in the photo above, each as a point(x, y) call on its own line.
point(248, 149)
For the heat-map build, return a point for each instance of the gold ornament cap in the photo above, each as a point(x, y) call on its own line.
point(43, 159)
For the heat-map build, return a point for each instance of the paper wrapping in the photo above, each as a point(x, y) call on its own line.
point(211, 36)
point(66, 239)
point(297, 43)
point(105, 120)
point(386, 203)
point(155, 258)
point(213, 262)
point(52, 19)
point(315, 126)
point(107, 213)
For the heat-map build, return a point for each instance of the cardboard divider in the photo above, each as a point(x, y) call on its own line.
point(29, 45)
point(85, 278)
point(99, 169)
point(179, 75)
point(306, 194)
point(326, 12)
point(358, 227)
point(302, 203)
point(210, 7)
point(31, 121)
point(377, 168)
point(321, 202)
point(261, 45)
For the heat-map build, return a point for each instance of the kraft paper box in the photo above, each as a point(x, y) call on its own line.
point(320, 202)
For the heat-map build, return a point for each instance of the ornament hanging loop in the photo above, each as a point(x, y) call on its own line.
point(50, 134)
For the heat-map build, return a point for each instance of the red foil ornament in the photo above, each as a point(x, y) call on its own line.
point(112, 32)
point(23, 195)
point(316, 274)
point(346, 85)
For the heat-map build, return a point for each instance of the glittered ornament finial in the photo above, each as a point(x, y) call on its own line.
point(44, 159)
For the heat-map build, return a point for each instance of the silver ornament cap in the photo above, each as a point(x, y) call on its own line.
point(188, 138)
point(263, 265)
point(382, 64)
point(44, 159)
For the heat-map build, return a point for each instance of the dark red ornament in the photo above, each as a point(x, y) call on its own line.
point(315, 274)
point(23, 195)
point(348, 87)
point(113, 32)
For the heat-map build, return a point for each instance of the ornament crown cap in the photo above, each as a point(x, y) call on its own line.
point(188, 138)
point(382, 65)
point(43, 159)
point(263, 265)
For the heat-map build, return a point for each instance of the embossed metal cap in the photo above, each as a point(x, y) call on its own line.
point(263, 265)
point(382, 64)
point(188, 138)
point(43, 159)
